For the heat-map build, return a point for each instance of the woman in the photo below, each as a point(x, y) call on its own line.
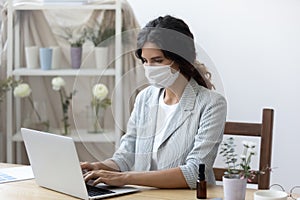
point(177, 122)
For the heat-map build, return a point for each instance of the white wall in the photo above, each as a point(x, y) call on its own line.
point(255, 46)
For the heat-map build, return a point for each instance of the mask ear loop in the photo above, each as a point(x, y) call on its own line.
point(171, 63)
point(291, 192)
point(173, 71)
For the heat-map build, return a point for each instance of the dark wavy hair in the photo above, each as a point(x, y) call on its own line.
point(174, 38)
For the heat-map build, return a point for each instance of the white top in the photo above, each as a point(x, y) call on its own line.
point(164, 114)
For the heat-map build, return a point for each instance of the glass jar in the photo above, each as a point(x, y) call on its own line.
point(95, 119)
point(37, 117)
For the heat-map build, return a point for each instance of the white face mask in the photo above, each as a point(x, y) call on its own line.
point(161, 76)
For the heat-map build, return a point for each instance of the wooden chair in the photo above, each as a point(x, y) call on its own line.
point(263, 130)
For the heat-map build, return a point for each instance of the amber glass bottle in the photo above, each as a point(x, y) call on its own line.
point(201, 183)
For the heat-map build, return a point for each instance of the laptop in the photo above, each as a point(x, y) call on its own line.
point(56, 166)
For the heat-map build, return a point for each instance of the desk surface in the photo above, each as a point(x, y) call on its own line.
point(28, 189)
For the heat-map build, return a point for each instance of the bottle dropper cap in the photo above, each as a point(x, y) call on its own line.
point(201, 172)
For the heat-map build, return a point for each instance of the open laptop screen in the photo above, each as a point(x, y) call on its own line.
point(56, 166)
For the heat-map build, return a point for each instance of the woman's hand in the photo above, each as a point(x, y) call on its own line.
point(87, 166)
point(105, 165)
point(168, 178)
point(107, 177)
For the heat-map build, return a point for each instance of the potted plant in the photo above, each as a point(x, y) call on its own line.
point(238, 170)
point(99, 104)
point(100, 38)
point(37, 117)
point(76, 37)
point(58, 84)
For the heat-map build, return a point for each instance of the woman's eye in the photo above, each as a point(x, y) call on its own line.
point(158, 61)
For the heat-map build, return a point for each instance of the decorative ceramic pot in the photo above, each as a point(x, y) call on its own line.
point(234, 187)
point(45, 58)
point(76, 53)
point(101, 58)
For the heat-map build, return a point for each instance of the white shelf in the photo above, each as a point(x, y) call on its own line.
point(81, 136)
point(61, 6)
point(64, 72)
point(14, 68)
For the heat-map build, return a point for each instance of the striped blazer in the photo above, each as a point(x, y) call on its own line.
point(192, 136)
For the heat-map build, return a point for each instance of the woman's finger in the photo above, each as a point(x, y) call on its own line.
point(89, 176)
point(86, 173)
point(85, 165)
point(98, 180)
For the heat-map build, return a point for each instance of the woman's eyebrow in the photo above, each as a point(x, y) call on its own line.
point(153, 58)
point(156, 57)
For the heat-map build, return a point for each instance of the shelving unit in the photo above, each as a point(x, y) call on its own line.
point(14, 69)
point(80, 135)
point(64, 72)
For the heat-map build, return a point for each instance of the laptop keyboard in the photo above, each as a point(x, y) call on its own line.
point(95, 191)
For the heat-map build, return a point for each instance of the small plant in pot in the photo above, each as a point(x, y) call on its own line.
point(34, 120)
point(101, 38)
point(99, 104)
point(242, 168)
point(238, 170)
point(76, 38)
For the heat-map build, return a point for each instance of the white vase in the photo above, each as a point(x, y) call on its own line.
point(101, 57)
point(56, 57)
point(234, 188)
point(32, 57)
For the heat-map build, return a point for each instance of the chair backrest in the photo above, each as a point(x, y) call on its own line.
point(263, 130)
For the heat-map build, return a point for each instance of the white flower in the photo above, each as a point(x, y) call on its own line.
point(243, 156)
point(57, 83)
point(22, 90)
point(246, 143)
point(252, 151)
point(72, 40)
point(252, 144)
point(100, 91)
point(249, 144)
